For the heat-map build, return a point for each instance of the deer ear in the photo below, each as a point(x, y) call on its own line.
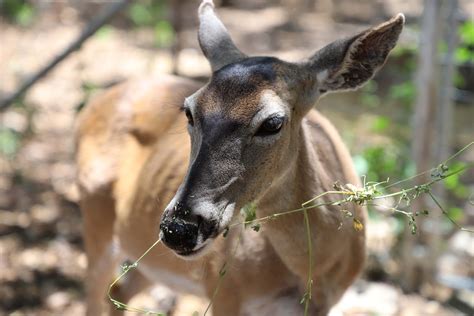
point(349, 63)
point(214, 39)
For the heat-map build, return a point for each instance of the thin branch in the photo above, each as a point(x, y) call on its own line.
point(88, 31)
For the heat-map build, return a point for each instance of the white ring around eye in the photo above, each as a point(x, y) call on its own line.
point(271, 105)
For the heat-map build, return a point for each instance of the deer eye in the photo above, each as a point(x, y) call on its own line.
point(270, 126)
point(189, 116)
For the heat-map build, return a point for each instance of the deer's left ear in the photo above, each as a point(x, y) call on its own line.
point(349, 63)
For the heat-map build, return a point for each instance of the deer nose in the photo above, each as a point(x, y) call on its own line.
point(179, 235)
point(180, 229)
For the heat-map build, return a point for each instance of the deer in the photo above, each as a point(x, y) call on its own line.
point(252, 136)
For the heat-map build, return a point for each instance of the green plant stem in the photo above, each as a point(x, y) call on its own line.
point(420, 188)
point(123, 306)
point(309, 282)
point(447, 214)
point(427, 171)
point(390, 208)
point(428, 184)
point(223, 272)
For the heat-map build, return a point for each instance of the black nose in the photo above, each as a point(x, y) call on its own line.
point(179, 235)
point(180, 228)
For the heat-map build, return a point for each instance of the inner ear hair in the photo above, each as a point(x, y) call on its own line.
point(349, 63)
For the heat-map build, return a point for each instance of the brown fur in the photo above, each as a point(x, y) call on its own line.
point(143, 177)
point(133, 155)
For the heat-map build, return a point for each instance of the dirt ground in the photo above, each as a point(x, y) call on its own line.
point(42, 262)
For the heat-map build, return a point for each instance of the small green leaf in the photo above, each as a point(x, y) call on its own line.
point(249, 212)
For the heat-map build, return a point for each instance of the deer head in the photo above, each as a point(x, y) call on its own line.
point(245, 123)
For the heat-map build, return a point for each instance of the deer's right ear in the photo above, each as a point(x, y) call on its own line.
point(349, 63)
point(214, 39)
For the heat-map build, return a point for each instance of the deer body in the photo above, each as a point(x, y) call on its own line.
point(254, 138)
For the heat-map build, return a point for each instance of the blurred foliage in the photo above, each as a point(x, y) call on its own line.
point(164, 34)
point(369, 96)
point(154, 14)
point(401, 67)
point(403, 93)
point(143, 13)
point(104, 32)
point(456, 213)
point(380, 124)
point(453, 183)
point(20, 12)
point(10, 138)
point(465, 51)
point(382, 162)
point(407, 54)
point(9, 142)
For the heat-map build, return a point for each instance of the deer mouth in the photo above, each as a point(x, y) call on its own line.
point(189, 253)
point(196, 252)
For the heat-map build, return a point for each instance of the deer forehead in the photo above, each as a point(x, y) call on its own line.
point(239, 91)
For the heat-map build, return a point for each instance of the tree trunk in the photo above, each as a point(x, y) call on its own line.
point(423, 126)
point(444, 126)
point(432, 126)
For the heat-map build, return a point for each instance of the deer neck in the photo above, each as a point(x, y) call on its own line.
point(304, 180)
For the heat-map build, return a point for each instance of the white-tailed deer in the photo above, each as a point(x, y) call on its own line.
point(253, 137)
